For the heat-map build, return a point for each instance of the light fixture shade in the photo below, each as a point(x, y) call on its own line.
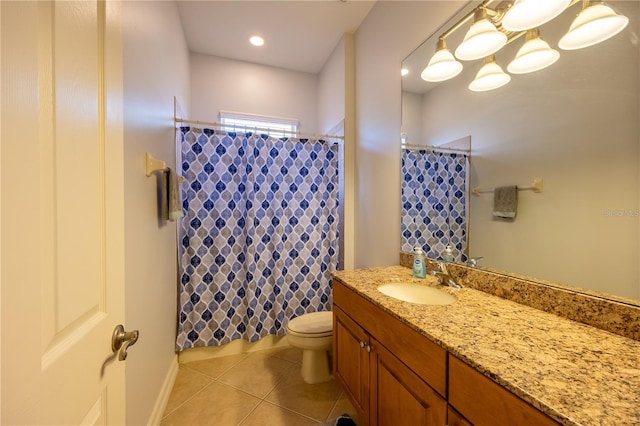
point(442, 65)
point(527, 14)
point(534, 55)
point(491, 76)
point(256, 40)
point(594, 24)
point(482, 39)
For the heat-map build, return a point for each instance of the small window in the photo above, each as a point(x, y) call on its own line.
point(274, 126)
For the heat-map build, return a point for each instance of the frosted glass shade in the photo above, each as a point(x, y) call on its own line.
point(527, 14)
point(482, 39)
point(594, 24)
point(256, 40)
point(534, 55)
point(441, 67)
point(491, 76)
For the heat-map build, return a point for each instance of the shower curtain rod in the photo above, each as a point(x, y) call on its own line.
point(215, 124)
point(441, 148)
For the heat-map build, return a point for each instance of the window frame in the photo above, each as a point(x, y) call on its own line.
point(274, 126)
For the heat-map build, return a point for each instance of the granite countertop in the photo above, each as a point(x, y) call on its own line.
point(576, 374)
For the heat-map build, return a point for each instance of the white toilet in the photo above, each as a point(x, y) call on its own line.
point(313, 333)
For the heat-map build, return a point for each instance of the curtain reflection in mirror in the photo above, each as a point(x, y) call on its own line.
point(434, 202)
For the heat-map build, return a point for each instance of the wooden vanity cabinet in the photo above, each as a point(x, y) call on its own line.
point(393, 375)
point(383, 389)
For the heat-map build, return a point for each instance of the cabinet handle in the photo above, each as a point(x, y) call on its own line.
point(369, 348)
point(362, 344)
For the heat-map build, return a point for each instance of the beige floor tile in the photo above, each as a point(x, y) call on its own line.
point(217, 404)
point(270, 415)
point(258, 374)
point(289, 354)
point(187, 384)
point(215, 367)
point(315, 401)
point(344, 406)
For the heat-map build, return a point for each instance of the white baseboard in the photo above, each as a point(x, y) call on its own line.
point(165, 393)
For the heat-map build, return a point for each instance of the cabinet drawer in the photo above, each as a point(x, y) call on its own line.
point(483, 402)
point(425, 358)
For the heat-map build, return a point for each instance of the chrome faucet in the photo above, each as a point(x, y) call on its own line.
point(472, 262)
point(443, 275)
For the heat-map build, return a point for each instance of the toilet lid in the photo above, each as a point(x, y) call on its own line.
point(313, 323)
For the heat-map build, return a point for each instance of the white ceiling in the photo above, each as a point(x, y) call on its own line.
point(299, 35)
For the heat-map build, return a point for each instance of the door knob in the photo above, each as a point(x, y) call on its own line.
point(121, 340)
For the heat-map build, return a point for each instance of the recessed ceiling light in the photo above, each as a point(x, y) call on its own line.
point(256, 40)
point(404, 71)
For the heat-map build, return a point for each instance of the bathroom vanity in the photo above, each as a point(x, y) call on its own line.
point(480, 360)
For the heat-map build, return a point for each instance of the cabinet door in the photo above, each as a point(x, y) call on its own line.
point(351, 361)
point(399, 396)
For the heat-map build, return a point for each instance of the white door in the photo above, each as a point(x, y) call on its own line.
point(62, 212)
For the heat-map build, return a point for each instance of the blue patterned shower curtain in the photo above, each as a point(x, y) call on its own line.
point(434, 202)
point(259, 237)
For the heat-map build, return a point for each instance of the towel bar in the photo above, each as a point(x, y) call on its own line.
point(536, 186)
point(154, 165)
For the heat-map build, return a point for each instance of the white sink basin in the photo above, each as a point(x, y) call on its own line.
point(415, 293)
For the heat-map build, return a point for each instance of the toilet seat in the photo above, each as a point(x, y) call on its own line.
point(313, 325)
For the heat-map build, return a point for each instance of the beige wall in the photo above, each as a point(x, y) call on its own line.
point(1, 245)
point(156, 68)
point(331, 90)
point(336, 115)
point(412, 117)
point(388, 34)
point(230, 85)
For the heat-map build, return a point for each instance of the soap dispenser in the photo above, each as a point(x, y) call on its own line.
point(419, 264)
point(448, 255)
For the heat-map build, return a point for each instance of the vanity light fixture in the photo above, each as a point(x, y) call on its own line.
point(594, 24)
point(535, 54)
point(491, 76)
point(527, 14)
point(442, 65)
point(482, 39)
point(492, 28)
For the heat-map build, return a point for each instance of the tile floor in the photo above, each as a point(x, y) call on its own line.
point(259, 388)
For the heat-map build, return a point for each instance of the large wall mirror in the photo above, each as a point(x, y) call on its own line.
point(574, 124)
